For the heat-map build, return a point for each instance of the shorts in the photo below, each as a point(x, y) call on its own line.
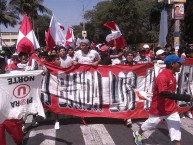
point(173, 122)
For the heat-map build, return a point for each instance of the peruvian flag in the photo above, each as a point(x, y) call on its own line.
point(115, 38)
point(54, 35)
point(26, 41)
point(61, 26)
point(70, 39)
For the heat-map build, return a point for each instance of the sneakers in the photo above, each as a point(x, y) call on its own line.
point(137, 137)
point(57, 125)
point(128, 123)
point(24, 129)
point(34, 122)
point(188, 114)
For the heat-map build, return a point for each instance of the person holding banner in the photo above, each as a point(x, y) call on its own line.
point(66, 61)
point(86, 55)
point(163, 105)
point(12, 126)
point(56, 61)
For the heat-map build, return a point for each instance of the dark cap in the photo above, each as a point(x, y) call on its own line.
point(173, 58)
point(129, 52)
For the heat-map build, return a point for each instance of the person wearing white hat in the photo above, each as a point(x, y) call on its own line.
point(148, 51)
point(86, 55)
point(160, 54)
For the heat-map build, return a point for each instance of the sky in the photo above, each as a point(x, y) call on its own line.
point(67, 12)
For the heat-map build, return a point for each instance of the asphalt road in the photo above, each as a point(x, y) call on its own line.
point(99, 131)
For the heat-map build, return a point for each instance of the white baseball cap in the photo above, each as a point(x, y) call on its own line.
point(86, 41)
point(160, 51)
point(145, 46)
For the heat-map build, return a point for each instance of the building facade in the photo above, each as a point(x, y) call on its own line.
point(8, 40)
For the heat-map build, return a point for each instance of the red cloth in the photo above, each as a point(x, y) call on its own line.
point(160, 106)
point(14, 128)
point(11, 66)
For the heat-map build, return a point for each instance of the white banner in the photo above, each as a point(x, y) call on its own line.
point(20, 95)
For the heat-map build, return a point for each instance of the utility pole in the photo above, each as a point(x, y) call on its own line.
point(0, 39)
point(177, 15)
point(84, 33)
point(0, 36)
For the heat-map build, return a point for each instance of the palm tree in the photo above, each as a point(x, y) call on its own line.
point(7, 17)
point(30, 7)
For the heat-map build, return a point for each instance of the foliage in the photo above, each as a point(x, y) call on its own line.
point(138, 20)
point(41, 25)
point(7, 17)
point(30, 7)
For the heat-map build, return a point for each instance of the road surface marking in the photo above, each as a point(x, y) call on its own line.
point(45, 137)
point(96, 134)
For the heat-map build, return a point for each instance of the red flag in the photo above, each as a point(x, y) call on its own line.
point(112, 25)
point(61, 26)
point(26, 41)
point(115, 38)
point(70, 40)
point(54, 35)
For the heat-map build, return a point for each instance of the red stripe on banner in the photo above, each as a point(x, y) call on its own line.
point(104, 91)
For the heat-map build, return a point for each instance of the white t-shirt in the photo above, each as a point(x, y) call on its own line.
point(67, 62)
point(88, 58)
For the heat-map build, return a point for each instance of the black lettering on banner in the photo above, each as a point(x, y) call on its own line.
point(20, 79)
point(31, 78)
point(113, 89)
point(185, 82)
point(80, 91)
point(9, 81)
point(89, 90)
point(62, 89)
point(148, 86)
point(122, 106)
point(29, 100)
point(12, 104)
point(130, 86)
point(21, 102)
point(17, 103)
point(97, 96)
point(45, 92)
point(122, 95)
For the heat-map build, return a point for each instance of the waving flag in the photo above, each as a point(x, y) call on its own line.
point(70, 39)
point(26, 41)
point(112, 25)
point(115, 38)
point(54, 35)
point(61, 26)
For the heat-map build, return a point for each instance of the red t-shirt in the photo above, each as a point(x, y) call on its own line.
point(161, 106)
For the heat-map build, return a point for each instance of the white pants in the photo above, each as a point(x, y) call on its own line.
point(173, 122)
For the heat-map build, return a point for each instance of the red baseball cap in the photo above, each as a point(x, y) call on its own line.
point(103, 48)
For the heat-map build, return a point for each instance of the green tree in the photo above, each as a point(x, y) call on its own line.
point(187, 23)
point(41, 25)
point(137, 20)
point(30, 7)
point(7, 17)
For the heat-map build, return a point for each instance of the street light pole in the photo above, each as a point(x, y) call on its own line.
point(0, 39)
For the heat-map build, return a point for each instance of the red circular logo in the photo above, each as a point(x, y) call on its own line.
point(21, 91)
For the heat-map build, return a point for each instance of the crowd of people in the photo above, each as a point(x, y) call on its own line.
point(66, 56)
